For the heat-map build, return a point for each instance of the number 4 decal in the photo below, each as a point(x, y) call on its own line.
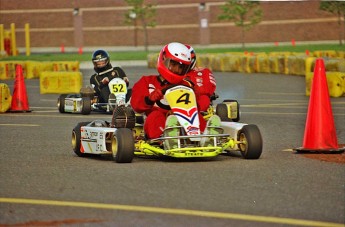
point(184, 98)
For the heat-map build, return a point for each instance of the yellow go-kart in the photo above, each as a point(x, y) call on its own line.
point(124, 138)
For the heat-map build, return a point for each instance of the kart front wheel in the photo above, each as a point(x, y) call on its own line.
point(76, 136)
point(122, 145)
point(86, 105)
point(250, 142)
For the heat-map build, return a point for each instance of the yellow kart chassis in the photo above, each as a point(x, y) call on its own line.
point(145, 148)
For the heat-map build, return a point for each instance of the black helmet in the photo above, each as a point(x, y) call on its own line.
point(101, 60)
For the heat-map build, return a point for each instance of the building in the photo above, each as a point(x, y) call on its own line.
point(90, 23)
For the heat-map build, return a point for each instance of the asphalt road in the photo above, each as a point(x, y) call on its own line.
point(43, 183)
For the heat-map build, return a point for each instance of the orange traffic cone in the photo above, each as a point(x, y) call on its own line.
point(62, 48)
point(19, 98)
point(320, 134)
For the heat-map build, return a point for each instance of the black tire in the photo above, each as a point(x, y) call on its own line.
point(86, 108)
point(76, 139)
point(122, 145)
point(61, 103)
point(222, 112)
point(251, 146)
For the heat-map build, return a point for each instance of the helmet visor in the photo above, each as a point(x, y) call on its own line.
point(176, 67)
point(100, 64)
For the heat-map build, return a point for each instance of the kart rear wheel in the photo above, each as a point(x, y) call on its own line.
point(76, 136)
point(222, 110)
point(86, 105)
point(61, 103)
point(122, 145)
point(251, 142)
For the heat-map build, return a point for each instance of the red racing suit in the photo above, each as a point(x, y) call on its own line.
point(206, 85)
point(156, 112)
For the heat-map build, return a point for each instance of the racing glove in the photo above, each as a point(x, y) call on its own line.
point(105, 80)
point(154, 96)
point(126, 79)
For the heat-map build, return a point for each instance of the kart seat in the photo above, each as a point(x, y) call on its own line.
point(123, 117)
point(87, 92)
point(99, 123)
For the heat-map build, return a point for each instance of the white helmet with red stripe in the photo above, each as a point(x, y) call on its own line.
point(193, 55)
point(174, 54)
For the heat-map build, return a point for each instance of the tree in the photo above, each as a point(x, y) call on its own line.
point(142, 13)
point(245, 14)
point(337, 8)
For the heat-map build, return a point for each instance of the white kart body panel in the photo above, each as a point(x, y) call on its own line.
point(73, 105)
point(93, 139)
point(232, 128)
point(183, 103)
point(118, 87)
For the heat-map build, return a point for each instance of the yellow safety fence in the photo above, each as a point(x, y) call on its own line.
point(5, 98)
point(335, 82)
point(60, 82)
point(8, 69)
point(32, 69)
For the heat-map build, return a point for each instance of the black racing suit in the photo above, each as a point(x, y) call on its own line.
point(102, 90)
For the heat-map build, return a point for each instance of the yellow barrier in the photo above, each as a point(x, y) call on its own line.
point(34, 68)
point(231, 62)
point(296, 65)
point(152, 60)
point(325, 53)
point(65, 66)
point(60, 82)
point(341, 54)
point(5, 98)
point(245, 64)
point(335, 83)
point(263, 63)
point(216, 63)
point(206, 60)
point(252, 64)
point(335, 64)
point(276, 63)
point(8, 69)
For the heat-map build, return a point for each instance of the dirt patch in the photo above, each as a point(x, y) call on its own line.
point(54, 223)
point(327, 157)
point(337, 158)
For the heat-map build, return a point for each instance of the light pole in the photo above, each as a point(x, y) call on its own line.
point(133, 16)
point(78, 27)
point(203, 26)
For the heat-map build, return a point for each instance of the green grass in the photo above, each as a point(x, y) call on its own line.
point(267, 49)
point(142, 55)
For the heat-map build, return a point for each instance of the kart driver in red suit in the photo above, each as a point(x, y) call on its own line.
point(173, 64)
